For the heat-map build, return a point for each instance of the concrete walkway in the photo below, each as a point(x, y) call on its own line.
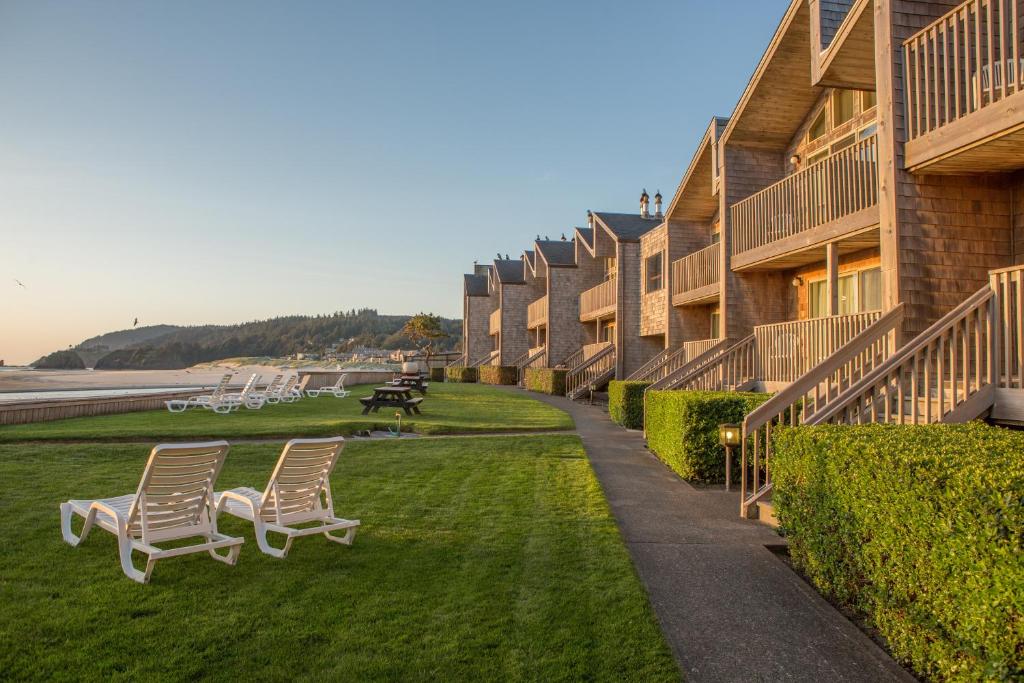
point(729, 608)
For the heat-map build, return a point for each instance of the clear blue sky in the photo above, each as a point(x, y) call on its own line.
point(195, 162)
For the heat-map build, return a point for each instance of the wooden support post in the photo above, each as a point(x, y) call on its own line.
point(832, 275)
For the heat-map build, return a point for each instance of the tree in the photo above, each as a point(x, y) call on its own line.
point(424, 329)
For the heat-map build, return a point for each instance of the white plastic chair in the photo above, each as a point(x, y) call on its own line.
point(248, 397)
point(174, 501)
point(338, 390)
point(299, 492)
point(180, 405)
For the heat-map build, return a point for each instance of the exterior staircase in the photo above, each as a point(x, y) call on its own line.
point(538, 360)
point(596, 371)
point(669, 361)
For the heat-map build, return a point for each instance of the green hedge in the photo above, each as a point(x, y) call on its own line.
point(921, 530)
point(437, 374)
point(461, 374)
point(499, 374)
point(546, 380)
point(682, 429)
point(626, 403)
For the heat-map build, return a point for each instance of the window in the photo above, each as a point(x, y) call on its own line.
point(847, 294)
point(652, 268)
point(817, 299)
point(716, 236)
point(608, 332)
point(819, 127)
point(716, 319)
point(868, 99)
point(817, 156)
point(870, 291)
point(842, 106)
point(867, 131)
point(842, 143)
point(611, 267)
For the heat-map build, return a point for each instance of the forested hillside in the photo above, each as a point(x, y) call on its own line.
point(179, 347)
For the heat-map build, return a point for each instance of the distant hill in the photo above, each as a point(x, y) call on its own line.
point(161, 347)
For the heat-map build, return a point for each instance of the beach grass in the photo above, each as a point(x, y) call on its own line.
point(447, 409)
point(477, 559)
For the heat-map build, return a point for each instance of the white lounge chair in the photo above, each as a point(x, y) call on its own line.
point(293, 496)
point(287, 393)
point(174, 501)
point(248, 397)
point(269, 394)
point(337, 390)
point(180, 405)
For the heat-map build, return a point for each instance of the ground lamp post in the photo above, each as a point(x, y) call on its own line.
point(729, 436)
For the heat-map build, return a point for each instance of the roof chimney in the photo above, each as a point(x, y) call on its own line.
point(644, 204)
point(590, 219)
point(657, 204)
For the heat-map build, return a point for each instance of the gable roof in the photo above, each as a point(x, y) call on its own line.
point(694, 198)
point(475, 285)
point(557, 252)
point(626, 227)
point(530, 260)
point(510, 271)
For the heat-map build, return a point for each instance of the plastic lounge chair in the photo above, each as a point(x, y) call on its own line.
point(337, 390)
point(248, 397)
point(286, 394)
point(293, 496)
point(174, 501)
point(180, 405)
point(270, 392)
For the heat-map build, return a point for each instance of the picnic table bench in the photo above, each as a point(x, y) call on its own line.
point(413, 381)
point(391, 397)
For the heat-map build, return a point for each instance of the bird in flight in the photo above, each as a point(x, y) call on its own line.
point(20, 283)
point(136, 323)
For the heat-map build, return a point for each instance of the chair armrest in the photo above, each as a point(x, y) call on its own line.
point(100, 506)
point(226, 495)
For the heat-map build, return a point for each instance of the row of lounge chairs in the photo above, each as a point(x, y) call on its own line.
point(176, 500)
point(221, 401)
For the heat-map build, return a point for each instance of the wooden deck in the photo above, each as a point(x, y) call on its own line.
point(696, 278)
point(599, 302)
point(537, 313)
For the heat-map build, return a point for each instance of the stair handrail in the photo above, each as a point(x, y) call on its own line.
point(584, 373)
point(528, 362)
point(859, 355)
point(695, 364)
point(460, 359)
point(485, 359)
point(858, 391)
point(742, 355)
point(659, 359)
point(573, 359)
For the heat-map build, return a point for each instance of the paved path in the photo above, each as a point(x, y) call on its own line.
point(729, 608)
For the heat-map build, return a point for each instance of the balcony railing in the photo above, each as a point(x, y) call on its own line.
point(591, 350)
point(788, 350)
point(537, 313)
point(599, 300)
point(495, 324)
point(697, 271)
point(841, 185)
point(943, 61)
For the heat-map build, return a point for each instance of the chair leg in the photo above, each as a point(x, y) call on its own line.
point(66, 513)
point(124, 551)
point(232, 555)
point(264, 545)
point(347, 539)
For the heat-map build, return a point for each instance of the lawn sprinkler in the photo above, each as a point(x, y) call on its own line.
point(397, 433)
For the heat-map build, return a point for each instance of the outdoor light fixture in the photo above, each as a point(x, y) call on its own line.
point(798, 281)
point(729, 435)
point(795, 160)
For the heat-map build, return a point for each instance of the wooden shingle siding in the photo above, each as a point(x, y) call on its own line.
point(833, 12)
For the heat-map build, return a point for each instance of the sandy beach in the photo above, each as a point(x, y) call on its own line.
point(26, 379)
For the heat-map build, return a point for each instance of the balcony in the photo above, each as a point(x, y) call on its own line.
point(789, 223)
point(964, 110)
point(495, 324)
point(695, 278)
point(537, 313)
point(599, 302)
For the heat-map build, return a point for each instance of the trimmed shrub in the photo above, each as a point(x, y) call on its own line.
point(499, 374)
point(461, 374)
point(682, 429)
point(626, 403)
point(437, 374)
point(546, 380)
point(918, 528)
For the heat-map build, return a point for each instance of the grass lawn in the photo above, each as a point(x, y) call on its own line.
point(478, 559)
point(447, 409)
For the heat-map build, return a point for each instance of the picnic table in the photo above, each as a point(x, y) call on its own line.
point(412, 381)
point(391, 397)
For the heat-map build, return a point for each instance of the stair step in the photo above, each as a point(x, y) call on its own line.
point(766, 514)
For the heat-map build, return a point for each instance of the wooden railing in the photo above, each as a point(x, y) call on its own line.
point(838, 186)
point(495, 321)
point(697, 360)
point(596, 370)
point(485, 360)
point(591, 350)
point(598, 299)
point(573, 359)
point(699, 269)
point(822, 383)
point(535, 358)
point(537, 313)
point(458, 361)
point(730, 369)
point(943, 61)
point(1006, 285)
point(669, 361)
point(786, 351)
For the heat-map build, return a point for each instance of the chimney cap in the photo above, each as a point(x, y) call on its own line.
point(644, 195)
point(657, 196)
